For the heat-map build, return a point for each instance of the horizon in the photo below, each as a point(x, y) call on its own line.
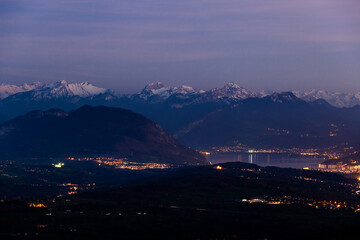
point(125, 92)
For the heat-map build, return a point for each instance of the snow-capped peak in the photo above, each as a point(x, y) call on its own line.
point(10, 89)
point(86, 89)
point(63, 89)
point(231, 91)
point(184, 89)
point(232, 85)
point(187, 88)
point(154, 86)
point(336, 99)
point(264, 93)
point(283, 97)
point(160, 91)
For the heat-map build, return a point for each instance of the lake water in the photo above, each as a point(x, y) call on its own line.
point(265, 159)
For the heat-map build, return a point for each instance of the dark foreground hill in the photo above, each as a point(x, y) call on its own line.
point(91, 132)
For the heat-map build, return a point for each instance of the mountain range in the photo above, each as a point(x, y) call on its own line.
point(154, 101)
point(60, 89)
point(18, 100)
point(279, 120)
point(337, 99)
point(220, 116)
point(156, 92)
point(10, 89)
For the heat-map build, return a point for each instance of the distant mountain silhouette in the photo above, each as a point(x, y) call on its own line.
point(179, 109)
point(181, 105)
point(278, 120)
point(92, 131)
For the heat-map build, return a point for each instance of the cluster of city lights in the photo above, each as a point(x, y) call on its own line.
point(123, 163)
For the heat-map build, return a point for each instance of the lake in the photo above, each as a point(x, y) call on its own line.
point(267, 159)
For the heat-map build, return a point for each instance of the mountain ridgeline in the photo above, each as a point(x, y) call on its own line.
point(220, 116)
point(181, 105)
point(278, 120)
point(92, 132)
point(154, 101)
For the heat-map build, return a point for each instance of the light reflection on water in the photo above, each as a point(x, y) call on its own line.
point(267, 159)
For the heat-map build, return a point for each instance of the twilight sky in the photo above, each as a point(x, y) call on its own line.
point(124, 44)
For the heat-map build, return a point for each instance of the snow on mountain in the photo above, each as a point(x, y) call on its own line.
point(336, 99)
point(283, 97)
point(158, 89)
point(9, 89)
point(231, 92)
point(85, 89)
point(264, 93)
point(184, 89)
point(64, 90)
point(156, 93)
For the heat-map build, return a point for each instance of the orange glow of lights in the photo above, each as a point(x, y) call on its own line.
point(38, 205)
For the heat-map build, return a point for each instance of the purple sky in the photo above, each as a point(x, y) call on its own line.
point(124, 44)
